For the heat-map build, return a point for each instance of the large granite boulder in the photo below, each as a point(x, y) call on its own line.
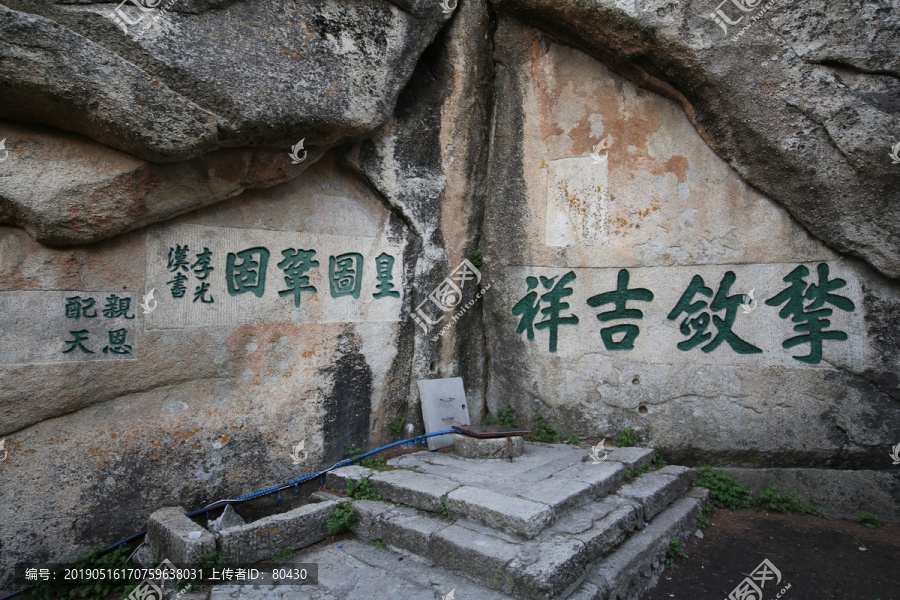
point(177, 81)
point(804, 104)
point(595, 248)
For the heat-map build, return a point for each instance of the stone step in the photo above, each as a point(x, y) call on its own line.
point(545, 565)
point(519, 499)
point(636, 565)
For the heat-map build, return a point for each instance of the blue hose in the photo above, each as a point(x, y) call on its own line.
point(420, 439)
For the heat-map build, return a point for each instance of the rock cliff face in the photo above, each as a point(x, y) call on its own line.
point(689, 226)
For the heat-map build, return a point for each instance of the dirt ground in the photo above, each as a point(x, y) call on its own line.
point(821, 559)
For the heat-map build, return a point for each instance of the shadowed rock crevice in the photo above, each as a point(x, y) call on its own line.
point(347, 402)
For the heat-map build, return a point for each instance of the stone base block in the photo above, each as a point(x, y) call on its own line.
point(173, 536)
point(467, 446)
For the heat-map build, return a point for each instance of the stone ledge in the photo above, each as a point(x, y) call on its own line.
point(414, 489)
point(841, 494)
point(337, 479)
point(637, 564)
point(174, 536)
point(576, 485)
point(636, 458)
point(655, 491)
point(504, 513)
point(477, 555)
point(263, 539)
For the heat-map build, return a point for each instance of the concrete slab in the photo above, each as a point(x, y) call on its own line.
point(575, 485)
point(606, 533)
point(558, 563)
point(443, 406)
point(412, 532)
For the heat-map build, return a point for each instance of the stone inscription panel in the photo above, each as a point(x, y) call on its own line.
point(59, 326)
point(799, 315)
point(443, 406)
point(578, 201)
point(206, 276)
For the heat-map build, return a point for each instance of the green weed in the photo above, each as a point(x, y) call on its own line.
point(543, 432)
point(352, 451)
point(573, 439)
point(379, 545)
point(630, 473)
point(476, 258)
point(343, 519)
point(627, 438)
point(676, 552)
point(397, 426)
point(868, 519)
point(362, 489)
point(658, 460)
point(784, 503)
point(505, 417)
point(724, 491)
point(286, 553)
point(375, 462)
point(703, 519)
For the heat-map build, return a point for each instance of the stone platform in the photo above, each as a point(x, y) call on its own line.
point(550, 524)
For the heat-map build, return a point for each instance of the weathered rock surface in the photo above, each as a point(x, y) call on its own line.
point(658, 207)
point(211, 75)
point(805, 104)
point(65, 189)
point(214, 398)
point(759, 156)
